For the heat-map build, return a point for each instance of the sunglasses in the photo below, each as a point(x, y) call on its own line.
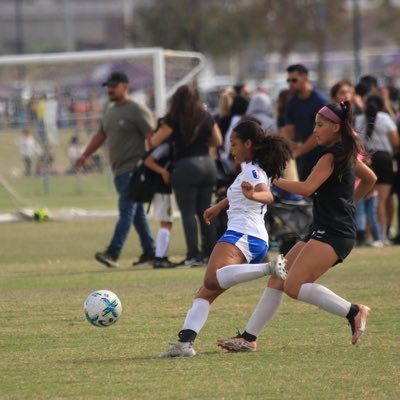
point(291, 80)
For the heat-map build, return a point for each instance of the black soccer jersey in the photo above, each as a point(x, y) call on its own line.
point(334, 207)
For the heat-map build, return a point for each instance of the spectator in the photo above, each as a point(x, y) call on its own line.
point(192, 131)
point(371, 86)
point(238, 109)
point(125, 125)
point(50, 120)
point(283, 97)
point(29, 149)
point(223, 118)
point(160, 161)
point(260, 108)
point(379, 135)
point(300, 114)
point(243, 90)
point(291, 166)
point(342, 91)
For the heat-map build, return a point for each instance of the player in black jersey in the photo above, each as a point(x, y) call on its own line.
point(332, 233)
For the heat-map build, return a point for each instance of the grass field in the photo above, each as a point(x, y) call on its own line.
point(49, 351)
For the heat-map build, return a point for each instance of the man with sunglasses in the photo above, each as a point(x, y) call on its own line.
point(300, 114)
point(125, 126)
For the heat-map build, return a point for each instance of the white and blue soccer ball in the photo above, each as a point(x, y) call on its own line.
point(102, 308)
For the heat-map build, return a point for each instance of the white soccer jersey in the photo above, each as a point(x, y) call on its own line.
point(244, 215)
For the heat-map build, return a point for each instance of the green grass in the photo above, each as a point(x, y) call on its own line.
point(49, 351)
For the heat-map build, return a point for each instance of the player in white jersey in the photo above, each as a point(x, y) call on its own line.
point(244, 245)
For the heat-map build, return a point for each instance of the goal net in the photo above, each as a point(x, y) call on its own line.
point(56, 101)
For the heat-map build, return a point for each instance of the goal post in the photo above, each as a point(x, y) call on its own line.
point(157, 54)
point(60, 97)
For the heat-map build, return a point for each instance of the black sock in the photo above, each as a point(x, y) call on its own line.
point(354, 309)
point(248, 336)
point(187, 335)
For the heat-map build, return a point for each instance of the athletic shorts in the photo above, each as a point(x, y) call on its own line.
point(342, 246)
point(254, 249)
point(382, 165)
point(162, 207)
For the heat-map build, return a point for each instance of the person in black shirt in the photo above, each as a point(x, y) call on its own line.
point(332, 233)
point(192, 131)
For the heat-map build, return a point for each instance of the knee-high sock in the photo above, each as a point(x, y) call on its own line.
point(231, 275)
point(197, 315)
point(162, 244)
point(265, 311)
point(322, 297)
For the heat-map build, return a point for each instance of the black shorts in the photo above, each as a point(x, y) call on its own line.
point(382, 165)
point(342, 246)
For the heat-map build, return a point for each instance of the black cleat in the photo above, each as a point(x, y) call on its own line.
point(163, 262)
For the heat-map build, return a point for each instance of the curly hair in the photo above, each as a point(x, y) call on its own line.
point(270, 152)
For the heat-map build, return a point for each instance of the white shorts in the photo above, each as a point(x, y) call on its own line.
point(253, 248)
point(162, 207)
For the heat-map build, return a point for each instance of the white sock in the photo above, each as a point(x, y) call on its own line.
point(197, 315)
point(266, 309)
point(231, 275)
point(162, 242)
point(322, 297)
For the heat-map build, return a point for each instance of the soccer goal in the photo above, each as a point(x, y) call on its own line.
point(59, 99)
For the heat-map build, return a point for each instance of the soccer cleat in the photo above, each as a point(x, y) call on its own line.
point(277, 267)
point(144, 259)
point(358, 324)
point(237, 344)
point(180, 349)
point(107, 259)
point(163, 262)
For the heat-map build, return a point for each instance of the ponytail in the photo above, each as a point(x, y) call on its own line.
point(373, 105)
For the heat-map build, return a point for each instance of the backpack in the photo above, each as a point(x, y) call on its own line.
point(142, 184)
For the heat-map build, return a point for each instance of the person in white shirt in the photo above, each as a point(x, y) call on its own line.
point(29, 149)
point(244, 245)
point(378, 132)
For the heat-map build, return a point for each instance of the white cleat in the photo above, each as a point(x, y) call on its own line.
point(360, 322)
point(277, 267)
point(180, 349)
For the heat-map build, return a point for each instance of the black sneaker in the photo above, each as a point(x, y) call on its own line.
point(163, 262)
point(107, 259)
point(144, 259)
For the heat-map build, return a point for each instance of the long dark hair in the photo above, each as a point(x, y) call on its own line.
point(271, 152)
point(373, 105)
point(351, 145)
point(186, 113)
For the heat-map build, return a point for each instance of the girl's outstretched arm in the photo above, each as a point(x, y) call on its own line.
point(321, 172)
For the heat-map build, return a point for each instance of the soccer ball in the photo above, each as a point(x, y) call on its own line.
point(40, 215)
point(102, 308)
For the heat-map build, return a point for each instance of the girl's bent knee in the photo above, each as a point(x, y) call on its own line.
point(211, 283)
point(291, 290)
